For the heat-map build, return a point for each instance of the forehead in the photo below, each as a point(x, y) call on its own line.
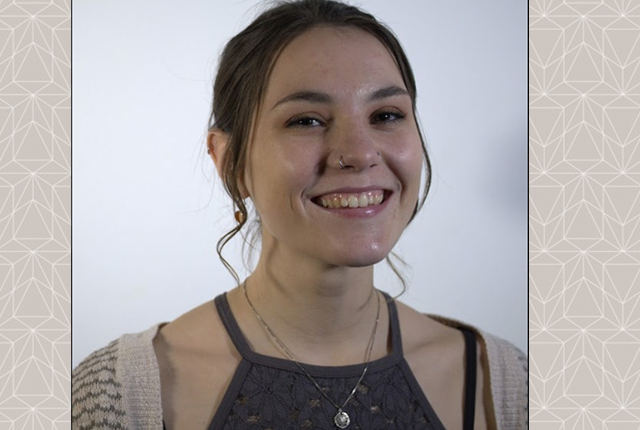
point(335, 60)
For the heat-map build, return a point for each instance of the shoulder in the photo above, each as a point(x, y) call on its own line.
point(196, 335)
point(436, 356)
point(426, 337)
point(193, 345)
point(102, 384)
point(506, 370)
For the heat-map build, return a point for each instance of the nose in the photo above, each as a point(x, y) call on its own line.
point(354, 148)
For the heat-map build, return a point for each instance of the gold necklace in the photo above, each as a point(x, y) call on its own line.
point(341, 419)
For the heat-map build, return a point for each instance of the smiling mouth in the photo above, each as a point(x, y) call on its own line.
point(351, 200)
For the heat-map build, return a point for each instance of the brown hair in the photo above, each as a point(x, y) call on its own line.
point(243, 74)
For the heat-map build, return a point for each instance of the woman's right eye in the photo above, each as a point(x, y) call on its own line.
point(305, 121)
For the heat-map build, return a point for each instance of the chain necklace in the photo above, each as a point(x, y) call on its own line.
point(341, 419)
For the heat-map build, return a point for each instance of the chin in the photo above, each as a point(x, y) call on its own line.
point(361, 258)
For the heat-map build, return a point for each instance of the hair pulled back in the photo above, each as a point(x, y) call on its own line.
point(243, 74)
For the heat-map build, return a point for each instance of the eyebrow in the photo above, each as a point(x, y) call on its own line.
point(391, 91)
point(318, 97)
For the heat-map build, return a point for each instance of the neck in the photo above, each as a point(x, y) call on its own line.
point(319, 305)
point(322, 314)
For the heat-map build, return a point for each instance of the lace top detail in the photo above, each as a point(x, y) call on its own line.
point(273, 393)
point(273, 398)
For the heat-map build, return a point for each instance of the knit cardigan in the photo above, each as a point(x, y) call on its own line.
point(118, 386)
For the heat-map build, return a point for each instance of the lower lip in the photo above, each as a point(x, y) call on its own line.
point(368, 212)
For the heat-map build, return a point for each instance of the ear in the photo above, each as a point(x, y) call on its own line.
point(217, 142)
point(216, 145)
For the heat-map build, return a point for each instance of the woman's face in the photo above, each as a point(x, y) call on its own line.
point(335, 93)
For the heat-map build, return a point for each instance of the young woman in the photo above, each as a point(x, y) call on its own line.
point(313, 125)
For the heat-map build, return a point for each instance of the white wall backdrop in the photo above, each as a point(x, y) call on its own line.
point(147, 210)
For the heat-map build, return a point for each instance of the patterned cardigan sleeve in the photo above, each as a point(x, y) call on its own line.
point(96, 393)
point(118, 386)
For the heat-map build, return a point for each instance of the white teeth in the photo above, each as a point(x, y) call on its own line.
point(361, 200)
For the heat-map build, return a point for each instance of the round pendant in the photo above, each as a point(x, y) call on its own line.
point(342, 419)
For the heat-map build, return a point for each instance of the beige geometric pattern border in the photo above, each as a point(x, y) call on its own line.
point(35, 220)
point(584, 214)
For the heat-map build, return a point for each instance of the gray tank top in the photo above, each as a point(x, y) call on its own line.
point(273, 393)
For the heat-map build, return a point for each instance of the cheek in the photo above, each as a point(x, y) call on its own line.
point(408, 160)
point(280, 174)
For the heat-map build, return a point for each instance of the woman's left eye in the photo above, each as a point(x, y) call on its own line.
point(387, 117)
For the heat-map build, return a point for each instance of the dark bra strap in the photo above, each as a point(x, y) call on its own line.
point(470, 378)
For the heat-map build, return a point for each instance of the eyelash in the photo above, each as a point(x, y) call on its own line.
point(296, 122)
point(299, 122)
point(398, 116)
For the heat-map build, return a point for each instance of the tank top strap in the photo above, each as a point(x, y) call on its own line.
point(239, 341)
point(394, 322)
point(231, 325)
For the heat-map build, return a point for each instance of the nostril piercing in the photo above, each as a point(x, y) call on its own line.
point(341, 163)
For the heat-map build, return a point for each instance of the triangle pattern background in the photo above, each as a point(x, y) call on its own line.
point(584, 217)
point(35, 225)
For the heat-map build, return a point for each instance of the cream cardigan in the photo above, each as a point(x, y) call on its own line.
point(118, 386)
